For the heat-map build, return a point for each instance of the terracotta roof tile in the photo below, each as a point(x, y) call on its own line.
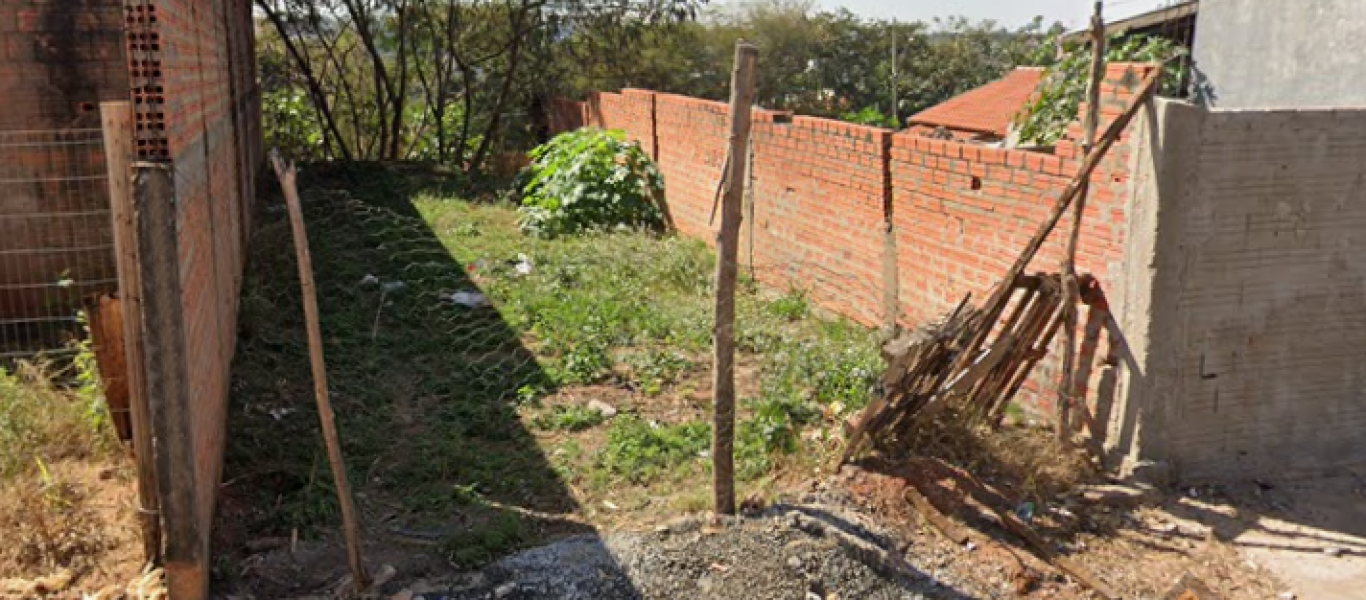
point(987, 109)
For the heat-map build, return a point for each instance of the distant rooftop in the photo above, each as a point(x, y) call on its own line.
point(1175, 22)
point(985, 110)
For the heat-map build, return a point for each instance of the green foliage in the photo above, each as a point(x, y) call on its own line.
point(460, 387)
point(587, 180)
point(88, 385)
point(585, 362)
point(656, 369)
point(486, 541)
point(573, 417)
point(290, 124)
point(824, 63)
point(42, 422)
point(1060, 96)
point(792, 306)
point(638, 450)
point(870, 115)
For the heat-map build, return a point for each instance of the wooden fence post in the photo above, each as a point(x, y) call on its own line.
point(116, 118)
point(1067, 387)
point(727, 254)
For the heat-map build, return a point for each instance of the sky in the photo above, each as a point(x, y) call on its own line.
point(1073, 13)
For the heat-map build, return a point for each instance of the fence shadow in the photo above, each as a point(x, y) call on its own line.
point(425, 392)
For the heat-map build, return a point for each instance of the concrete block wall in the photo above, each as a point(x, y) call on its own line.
point(823, 193)
point(1252, 359)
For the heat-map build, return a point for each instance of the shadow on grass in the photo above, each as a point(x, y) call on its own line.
point(424, 389)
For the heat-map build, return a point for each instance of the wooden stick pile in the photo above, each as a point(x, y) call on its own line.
point(973, 359)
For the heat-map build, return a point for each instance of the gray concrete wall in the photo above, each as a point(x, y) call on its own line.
point(1281, 53)
point(1253, 357)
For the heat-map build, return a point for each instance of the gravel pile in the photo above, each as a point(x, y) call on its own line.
point(806, 553)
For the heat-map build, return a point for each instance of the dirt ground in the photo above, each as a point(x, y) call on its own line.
point(483, 469)
point(1308, 533)
point(854, 535)
point(76, 535)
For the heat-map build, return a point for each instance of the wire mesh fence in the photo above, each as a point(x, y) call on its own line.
point(56, 240)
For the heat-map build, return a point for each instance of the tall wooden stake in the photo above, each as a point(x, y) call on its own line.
point(1068, 387)
point(288, 183)
point(727, 252)
point(116, 118)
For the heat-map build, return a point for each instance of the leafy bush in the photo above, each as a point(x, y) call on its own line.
point(791, 307)
point(654, 370)
point(1064, 85)
point(290, 123)
point(870, 115)
point(589, 179)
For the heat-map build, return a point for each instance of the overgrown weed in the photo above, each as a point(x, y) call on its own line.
point(58, 447)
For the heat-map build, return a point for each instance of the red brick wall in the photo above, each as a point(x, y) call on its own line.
point(198, 108)
point(822, 190)
point(818, 213)
point(58, 60)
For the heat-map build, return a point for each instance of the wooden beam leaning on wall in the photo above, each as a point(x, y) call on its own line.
point(116, 118)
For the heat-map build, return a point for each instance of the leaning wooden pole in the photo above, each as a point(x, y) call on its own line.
point(1067, 387)
point(727, 255)
point(116, 118)
point(288, 183)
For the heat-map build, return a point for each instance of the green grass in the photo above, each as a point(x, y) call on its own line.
point(569, 418)
point(42, 422)
point(56, 447)
point(428, 393)
point(638, 451)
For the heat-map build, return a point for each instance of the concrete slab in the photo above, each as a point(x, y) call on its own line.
point(1317, 543)
point(1310, 534)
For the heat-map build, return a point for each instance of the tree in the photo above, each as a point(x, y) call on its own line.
point(431, 79)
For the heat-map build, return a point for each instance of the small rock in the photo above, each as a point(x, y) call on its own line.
point(1115, 495)
point(1287, 596)
point(794, 562)
point(813, 596)
point(369, 280)
point(607, 410)
point(662, 529)
point(467, 299)
point(505, 590)
point(1152, 472)
point(1331, 551)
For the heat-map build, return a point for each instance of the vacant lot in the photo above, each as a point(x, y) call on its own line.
point(493, 389)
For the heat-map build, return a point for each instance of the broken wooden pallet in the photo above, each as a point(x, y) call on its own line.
point(972, 358)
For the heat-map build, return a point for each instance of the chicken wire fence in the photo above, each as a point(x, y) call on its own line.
point(56, 239)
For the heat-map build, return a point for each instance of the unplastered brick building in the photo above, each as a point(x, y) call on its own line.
point(187, 69)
